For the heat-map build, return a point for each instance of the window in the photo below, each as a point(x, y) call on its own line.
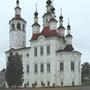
point(61, 67)
point(72, 66)
point(18, 26)
point(41, 50)
point(61, 83)
point(27, 54)
point(46, 20)
point(24, 43)
point(35, 83)
point(13, 26)
point(35, 68)
point(48, 83)
point(42, 68)
point(73, 83)
point(48, 49)
point(27, 68)
point(48, 67)
point(41, 83)
point(27, 83)
point(23, 27)
point(35, 51)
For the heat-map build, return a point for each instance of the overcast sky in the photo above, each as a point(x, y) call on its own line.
point(78, 11)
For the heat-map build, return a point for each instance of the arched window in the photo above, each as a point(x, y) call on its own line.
point(19, 26)
point(13, 26)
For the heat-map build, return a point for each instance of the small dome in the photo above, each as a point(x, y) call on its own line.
point(61, 17)
point(52, 9)
point(36, 14)
point(68, 27)
point(17, 2)
point(48, 2)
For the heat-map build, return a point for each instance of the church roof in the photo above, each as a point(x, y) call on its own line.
point(61, 50)
point(18, 49)
point(47, 33)
point(17, 17)
point(69, 48)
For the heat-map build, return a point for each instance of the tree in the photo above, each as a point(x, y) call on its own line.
point(19, 70)
point(85, 72)
point(14, 70)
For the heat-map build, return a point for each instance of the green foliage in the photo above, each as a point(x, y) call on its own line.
point(85, 72)
point(14, 70)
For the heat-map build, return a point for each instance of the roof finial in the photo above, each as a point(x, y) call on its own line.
point(60, 11)
point(17, 2)
point(36, 13)
point(36, 7)
point(69, 27)
point(68, 21)
point(61, 17)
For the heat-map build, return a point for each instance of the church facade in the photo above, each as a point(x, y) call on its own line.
point(51, 59)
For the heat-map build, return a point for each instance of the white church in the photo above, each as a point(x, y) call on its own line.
point(51, 59)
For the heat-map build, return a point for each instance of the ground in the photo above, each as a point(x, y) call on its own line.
point(65, 88)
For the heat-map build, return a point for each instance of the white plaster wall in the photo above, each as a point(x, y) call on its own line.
point(44, 77)
point(46, 20)
point(55, 76)
point(67, 76)
point(17, 11)
point(69, 40)
point(17, 37)
point(35, 29)
point(53, 25)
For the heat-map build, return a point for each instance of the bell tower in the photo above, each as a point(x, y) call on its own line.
point(17, 34)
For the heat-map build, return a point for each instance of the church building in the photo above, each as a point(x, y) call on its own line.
point(51, 59)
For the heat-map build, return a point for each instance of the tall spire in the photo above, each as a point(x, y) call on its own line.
point(49, 6)
point(36, 26)
point(69, 46)
point(61, 18)
point(68, 29)
point(36, 15)
point(61, 28)
point(53, 21)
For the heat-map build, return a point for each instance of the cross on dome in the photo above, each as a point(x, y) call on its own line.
point(36, 13)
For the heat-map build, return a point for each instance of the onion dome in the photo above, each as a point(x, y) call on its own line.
point(61, 21)
point(36, 14)
point(61, 17)
point(17, 2)
point(53, 9)
point(68, 30)
point(69, 46)
point(68, 27)
point(48, 2)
